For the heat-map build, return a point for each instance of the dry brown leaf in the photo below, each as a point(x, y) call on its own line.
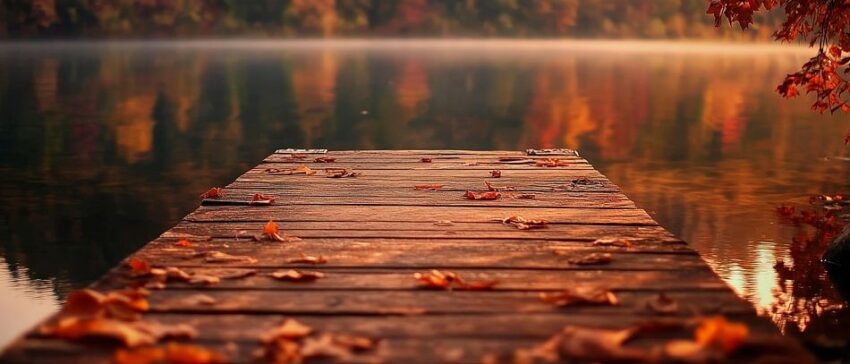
point(550, 162)
point(426, 160)
point(183, 243)
point(618, 242)
point(77, 328)
point(599, 344)
point(496, 173)
point(590, 259)
point(427, 187)
point(308, 259)
point(581, 296)
point(297, 275)
point(325, 160)
point(204, 280)
point(435, 279)
point(662, 304)
point(215, 192)
point(233, 273)
point(522, 223)
point(216, 256)
point(258, 199)
point(124, 305)
point(297, 170)
point(340, 173)
point(288, 329)
point(323, 347)
point(354, 343)
point(482, 195)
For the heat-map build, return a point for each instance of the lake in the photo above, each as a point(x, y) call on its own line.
point(105, 145)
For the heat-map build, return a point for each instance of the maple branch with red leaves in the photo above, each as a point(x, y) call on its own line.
point(822, 23)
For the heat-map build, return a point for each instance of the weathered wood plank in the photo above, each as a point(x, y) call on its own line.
point(421, 230)
point(417, 213)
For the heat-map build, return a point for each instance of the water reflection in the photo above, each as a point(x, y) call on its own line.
point(102, 147)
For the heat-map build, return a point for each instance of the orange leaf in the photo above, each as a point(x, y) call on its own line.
point(580, 295)
point(288, 329)
point(138, 266)
point(308, 259)
point(183, 243)
point(76, 328)
point(297, 275)
point(618, 242)
point(261, 199)
point(482, 195)
point(271, 228)
point(435, 279)
point(215, 192)
point(340, 173)
point(721, 333)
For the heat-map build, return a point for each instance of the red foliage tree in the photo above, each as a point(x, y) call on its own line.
point(825, 23)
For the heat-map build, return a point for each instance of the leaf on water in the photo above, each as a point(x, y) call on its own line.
point(426, 160)
point(297, 275)
point(288, 171)
point(522, 223)
point(662, 304)
point(308, 259)
point(216, 256)
point(325, 160)
point(183, 243)
point(617, 242)
point(215, 192)
point(258, 199)
point(550, 162)
point(589, 259)
point(482, 195)
point(428, 187)
point(340, 173)
point(496, 173)
point(581, 296)
point(288, 329)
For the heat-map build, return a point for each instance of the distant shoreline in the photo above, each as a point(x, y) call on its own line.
point(493, 44)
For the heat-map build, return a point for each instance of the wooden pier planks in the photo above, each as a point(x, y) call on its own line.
point(376, 231)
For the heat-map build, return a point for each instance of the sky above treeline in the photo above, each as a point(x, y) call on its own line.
point(618, 19)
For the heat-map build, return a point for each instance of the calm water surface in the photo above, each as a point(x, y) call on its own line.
point(104, 146)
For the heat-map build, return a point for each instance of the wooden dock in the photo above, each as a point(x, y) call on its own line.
point(375, 230)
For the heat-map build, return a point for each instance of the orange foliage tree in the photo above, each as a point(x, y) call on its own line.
point(821, 23)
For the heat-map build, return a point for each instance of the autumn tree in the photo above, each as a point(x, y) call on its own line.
point(824, 24)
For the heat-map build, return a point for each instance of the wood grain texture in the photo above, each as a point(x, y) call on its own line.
point(375, 231)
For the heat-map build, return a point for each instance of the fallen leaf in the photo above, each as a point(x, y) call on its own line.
point(325, 160)
point(297, 170)
point(308, 259)
point(550, 162)
point(482, 195)
point(496, 173)
point(582, 181)
point(84, 302)
point(221, 257)
point(270, 228)
point(662, 304)
point(491, 187)
point(271, 231)
point(426, 160)
point(233, 273)
point(719, 332)
point(355, 343)
point(435, 279)
point(618, 242)
point(281, 351)
point(198, 300)
point(215, 192)
point(340, 173)
point(427, 187)
point(527, 196)
point(183, 243)
point(323, 347)
point(297, 275)
point(288, 329)
point(522, 223)
point(258, 199)
point(204, 280)
point(594, 344)
point(77, 328)
point(138, 267)
point(580, 296)
point(173, 353)
point(590, 259)
point(124, 305)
